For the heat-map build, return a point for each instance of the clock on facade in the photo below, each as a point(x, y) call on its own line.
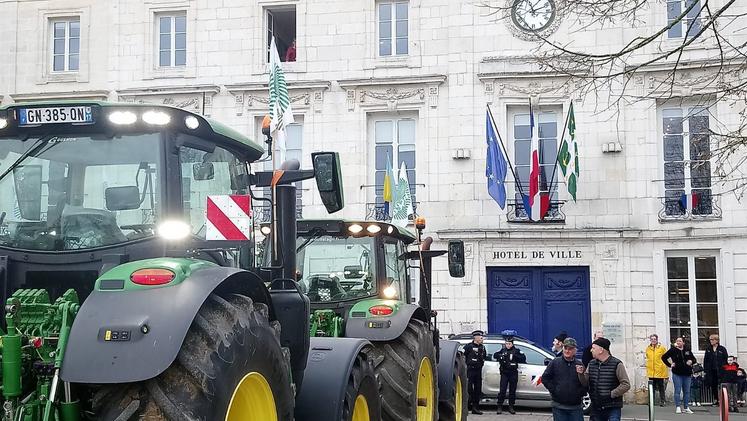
point(533, 15)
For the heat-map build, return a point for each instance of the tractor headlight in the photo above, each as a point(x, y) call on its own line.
point(373, 229)
point(3, 123)
point(355, 228)
point(265, 230)
point(156, 118)
point(174, 230)
point(122, 118)
point(390, 292)
point(191, 122)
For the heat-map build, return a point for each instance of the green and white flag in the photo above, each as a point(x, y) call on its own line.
point(281, 114)
point(568, 156)
point(402, 201)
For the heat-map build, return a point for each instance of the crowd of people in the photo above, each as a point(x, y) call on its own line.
point(605, 378)
point(691, 379)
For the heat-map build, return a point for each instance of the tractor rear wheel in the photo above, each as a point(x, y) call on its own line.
point(362, 402)
point(455, 408)
point(406, 368)
point(230, 367)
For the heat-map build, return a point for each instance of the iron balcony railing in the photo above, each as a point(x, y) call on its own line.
point(518, 214)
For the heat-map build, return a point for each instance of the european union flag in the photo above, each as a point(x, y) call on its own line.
point(495, 166)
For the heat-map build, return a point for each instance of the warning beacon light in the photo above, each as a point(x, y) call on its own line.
point(420, 223)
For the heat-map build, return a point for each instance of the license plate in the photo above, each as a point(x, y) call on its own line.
point(54, 115)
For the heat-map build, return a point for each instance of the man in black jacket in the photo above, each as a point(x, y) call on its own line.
point(608, 382)
point(564, 378)
point(509, 359)
point(714, 358)
point(475, 353)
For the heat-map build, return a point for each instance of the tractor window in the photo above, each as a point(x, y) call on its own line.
point(207, 173)
point(78, 192)
point(395, 268)
point(336, 268)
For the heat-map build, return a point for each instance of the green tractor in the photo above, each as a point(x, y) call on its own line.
point(128, 272)
point(357, 275)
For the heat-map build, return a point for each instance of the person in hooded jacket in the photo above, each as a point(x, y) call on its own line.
point(564, 379)
point(680, 360)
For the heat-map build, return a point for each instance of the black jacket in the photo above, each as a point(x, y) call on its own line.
point(475, 355)
point(509, 359)
point(714, 360)
point(680, 359)
point(561, 379)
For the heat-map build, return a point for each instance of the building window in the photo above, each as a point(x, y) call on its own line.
point(687, 166)
point(395, 143)
point(393, 28)
point(172, 40)
point(547, 126)
point(66, 45)
point(693, 290)
point(690, 24)
point(281, 23)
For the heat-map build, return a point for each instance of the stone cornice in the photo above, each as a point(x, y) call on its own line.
point(41, 96)
point(170, 90)
point(254, 87)
point(397, 80)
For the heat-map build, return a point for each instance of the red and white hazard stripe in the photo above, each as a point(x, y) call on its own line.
point(229, 217)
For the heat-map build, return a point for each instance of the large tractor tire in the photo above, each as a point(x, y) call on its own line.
point(362, 402)
point(231, 367)
point(406, 369)
point(455, 408)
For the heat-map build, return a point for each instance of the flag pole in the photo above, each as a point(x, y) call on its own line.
point(505, 152)
point(560, 146)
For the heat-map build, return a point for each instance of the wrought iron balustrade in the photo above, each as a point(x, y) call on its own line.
point(518, 214)
point(707, 208)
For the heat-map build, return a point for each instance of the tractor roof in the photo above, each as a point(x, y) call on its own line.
point(222, 131)
point(341, 225)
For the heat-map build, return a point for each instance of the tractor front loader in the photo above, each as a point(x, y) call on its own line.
point(128, 275)
point(357, 276)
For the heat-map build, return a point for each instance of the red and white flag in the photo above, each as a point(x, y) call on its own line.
point(229, 217)
point(537, 203)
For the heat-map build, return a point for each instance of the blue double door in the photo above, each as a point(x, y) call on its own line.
point(540, 302)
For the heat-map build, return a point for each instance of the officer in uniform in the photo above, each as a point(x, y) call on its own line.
point(474, 353)
point(509, 358)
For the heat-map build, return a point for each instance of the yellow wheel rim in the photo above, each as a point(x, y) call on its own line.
point(458, 399)
point(426, 393)
point(252, 400)
point(360, 411)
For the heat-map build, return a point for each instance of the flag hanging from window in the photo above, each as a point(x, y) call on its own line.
point(281, 114)
point(402, 206)
point(536, 203)
point(495, 165)
point(388, 185)
point(693, 199)
point(568, 156)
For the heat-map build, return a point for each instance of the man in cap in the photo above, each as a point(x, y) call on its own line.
point(557, 343)
point(509, 358)
point(608, 382)
point(474, 353)
point(564, 378)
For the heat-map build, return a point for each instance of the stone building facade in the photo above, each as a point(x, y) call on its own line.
point(412, 79)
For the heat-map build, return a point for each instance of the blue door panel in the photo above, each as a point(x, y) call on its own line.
point(539, 302)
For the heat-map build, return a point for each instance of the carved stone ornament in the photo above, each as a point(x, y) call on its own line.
point(302, 98)
point(392, 94)
point(192, 104)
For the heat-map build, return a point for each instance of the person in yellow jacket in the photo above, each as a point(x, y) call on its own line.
point(656, 370)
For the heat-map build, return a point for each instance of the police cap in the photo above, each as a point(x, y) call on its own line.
point(478, 333)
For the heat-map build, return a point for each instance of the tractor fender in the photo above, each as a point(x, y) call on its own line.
point(328, 368)
point(384, 328)
point(449, 351)
point(150, 326)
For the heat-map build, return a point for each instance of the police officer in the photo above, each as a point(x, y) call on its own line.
point(509, 358)
point(474, 353)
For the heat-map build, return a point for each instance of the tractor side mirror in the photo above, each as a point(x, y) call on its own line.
point(203, 171)
point(328, 179)
point(122, 198)
point(456, 258)
point(28, 183)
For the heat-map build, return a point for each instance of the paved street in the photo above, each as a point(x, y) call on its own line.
point(630, 413)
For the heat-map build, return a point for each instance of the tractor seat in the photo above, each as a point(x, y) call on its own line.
point(322, 288)
point(87, 228)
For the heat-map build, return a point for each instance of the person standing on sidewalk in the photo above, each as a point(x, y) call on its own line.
point(564, 378)
point(715, 358)
point(608, 381)
point(509, 359)
point(656, 370)
point(681, 360)
point(475, 353)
